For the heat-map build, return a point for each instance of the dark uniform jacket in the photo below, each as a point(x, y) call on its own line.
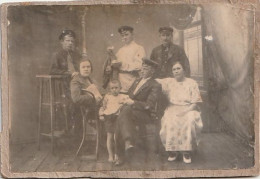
point(60, 64)
point(166, 56)
point(147, 95)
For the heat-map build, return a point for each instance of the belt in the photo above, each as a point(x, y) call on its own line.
point(129, 72)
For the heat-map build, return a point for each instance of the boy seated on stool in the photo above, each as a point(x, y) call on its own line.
point(109, 112)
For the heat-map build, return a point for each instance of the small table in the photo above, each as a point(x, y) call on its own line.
point(52, 94)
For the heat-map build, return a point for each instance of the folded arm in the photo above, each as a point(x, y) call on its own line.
point(77, 96)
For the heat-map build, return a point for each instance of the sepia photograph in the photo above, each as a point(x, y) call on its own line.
point(130, 89)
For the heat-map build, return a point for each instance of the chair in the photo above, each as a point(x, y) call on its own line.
point(86, 120)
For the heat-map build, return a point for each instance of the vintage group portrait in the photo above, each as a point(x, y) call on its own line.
point(129, 89)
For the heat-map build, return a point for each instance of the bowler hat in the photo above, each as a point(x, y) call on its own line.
point(125, 28)
point(67, 32)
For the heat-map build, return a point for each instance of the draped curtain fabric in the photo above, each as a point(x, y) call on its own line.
point(229, 49)
point(183, 16)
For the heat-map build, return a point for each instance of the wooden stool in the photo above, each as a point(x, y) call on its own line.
point(52, 94)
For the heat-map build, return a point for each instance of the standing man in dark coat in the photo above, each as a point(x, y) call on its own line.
point(143, 94)
point(167, 53)
point(66, 62)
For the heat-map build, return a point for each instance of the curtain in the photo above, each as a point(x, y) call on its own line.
point(229, 48)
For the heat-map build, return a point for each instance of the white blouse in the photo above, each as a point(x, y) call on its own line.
point(181, 93)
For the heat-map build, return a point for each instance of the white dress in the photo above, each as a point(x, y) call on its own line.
point(180, 133)
point(131, 57)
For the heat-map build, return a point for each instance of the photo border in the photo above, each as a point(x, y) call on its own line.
point(254, 171)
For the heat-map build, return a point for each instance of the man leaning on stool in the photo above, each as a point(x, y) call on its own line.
point(65, 62)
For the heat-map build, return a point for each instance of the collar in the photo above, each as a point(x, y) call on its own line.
point(131, 43)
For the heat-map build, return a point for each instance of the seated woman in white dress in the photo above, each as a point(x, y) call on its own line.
point(181, 121)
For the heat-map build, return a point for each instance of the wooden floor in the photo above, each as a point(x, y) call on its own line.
point(216, 151)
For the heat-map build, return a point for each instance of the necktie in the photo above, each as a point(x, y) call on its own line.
point(71, 68)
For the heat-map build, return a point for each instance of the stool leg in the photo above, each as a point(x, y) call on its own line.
point(51, 111)
point(66, 117)
point(65, 107)
point(40, 113)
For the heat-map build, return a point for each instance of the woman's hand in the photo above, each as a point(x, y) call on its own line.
point(191, 107)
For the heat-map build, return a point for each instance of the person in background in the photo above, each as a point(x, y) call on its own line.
point(66, 60)
point(181, 122)
point(109, 111)
point(168, 53)
point(128, 59)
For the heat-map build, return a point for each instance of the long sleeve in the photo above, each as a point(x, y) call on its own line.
point(153, 55)
point(131, 56)
point(140, 54)
point(76, 94)
point(151, 100)
point(56, 68)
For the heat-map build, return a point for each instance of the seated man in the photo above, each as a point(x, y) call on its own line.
point(143, 97)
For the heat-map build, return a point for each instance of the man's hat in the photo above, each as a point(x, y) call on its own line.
point(150, 62)
point(67, 32)
point(125, 28)
point(166, 30)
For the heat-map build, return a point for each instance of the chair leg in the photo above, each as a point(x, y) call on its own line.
point(84, 134)
point(97, 138)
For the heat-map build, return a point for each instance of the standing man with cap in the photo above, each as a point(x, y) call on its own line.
point(130, 56)
point(143, 94)
point(66, 60)
point(167, 53)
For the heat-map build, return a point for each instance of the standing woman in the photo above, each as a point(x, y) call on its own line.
point(181, 121)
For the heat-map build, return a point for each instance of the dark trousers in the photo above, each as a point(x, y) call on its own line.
point(127, 121)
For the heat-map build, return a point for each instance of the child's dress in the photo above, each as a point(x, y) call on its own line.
point(180, 133)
